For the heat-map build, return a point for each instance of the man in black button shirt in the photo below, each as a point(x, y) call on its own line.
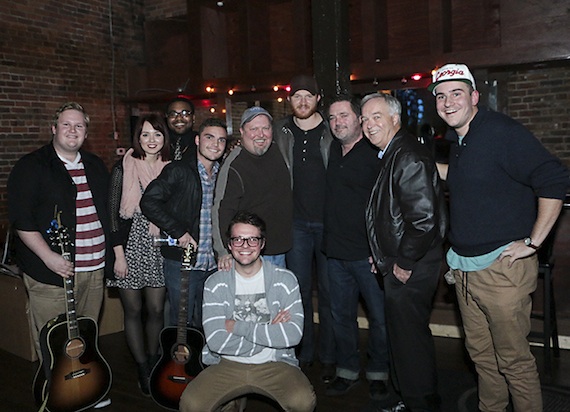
point(352, 171)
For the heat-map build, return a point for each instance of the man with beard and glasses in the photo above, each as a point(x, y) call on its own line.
point(180, 121)
point(254, 177)
point(304, 139)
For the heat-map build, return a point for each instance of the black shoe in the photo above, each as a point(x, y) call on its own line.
point(143, 375)
point(399, 407)
point(378, 390)
point(328, 372)
point(152, 361)
point(340, 386)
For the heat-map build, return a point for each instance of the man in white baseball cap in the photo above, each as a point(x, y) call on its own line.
point(452, 72)
point(498, 174)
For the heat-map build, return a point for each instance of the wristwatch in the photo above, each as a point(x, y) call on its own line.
point(528, 242)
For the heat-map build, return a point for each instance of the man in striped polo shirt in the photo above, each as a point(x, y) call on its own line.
point(60, 178)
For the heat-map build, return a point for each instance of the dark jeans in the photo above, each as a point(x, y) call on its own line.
point(307, 241)
point(195, 292)
point(348, 280)
point(412, 349)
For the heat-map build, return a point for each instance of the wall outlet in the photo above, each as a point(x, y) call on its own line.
point(120, 151)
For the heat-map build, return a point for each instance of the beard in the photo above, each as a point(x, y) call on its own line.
point(304, 111)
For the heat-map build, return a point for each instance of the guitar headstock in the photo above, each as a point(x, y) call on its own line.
point(188, 257)
point(59, 235)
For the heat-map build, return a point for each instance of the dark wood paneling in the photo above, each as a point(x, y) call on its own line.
point(408, 28)
point(265, 42)
point(481, 33)
point(214, 44)
point(167, 53)
point(475, 24)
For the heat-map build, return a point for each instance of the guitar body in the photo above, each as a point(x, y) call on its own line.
point(73, 375)
point(179, 364)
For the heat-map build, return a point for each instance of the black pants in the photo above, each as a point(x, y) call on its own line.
point(412, 349)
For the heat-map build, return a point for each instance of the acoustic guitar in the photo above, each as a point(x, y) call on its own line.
point(73, 376)
point(181, 349)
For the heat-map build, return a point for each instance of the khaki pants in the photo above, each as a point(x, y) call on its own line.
point(48, 301)
point(495, 307)
point(219, 384)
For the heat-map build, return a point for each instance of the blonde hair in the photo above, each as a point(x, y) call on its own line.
point(70, 106)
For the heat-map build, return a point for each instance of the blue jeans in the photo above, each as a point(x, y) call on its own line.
point(277, 260)
point(195, 292)
point(349, 279)
point(307, 241)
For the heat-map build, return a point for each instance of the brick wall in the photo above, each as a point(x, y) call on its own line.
point(163, 9)
point(57, 51)
point(540, 99)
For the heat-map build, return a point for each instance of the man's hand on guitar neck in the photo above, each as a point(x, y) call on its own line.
point(185, 240)
point(54, 261)
point(59, 265)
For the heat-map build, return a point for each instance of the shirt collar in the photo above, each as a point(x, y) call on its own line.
point(64, 160)
point(382, 152)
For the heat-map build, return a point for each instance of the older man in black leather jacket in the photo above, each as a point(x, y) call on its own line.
point(406, 220)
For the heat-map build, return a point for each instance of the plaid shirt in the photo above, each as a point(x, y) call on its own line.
point(205, 259)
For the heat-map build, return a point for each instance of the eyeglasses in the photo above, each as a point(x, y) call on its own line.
point(184, 113)
point(251, 241)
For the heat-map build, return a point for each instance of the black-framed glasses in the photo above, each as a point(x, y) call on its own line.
point(184, 113)
point(252, 241)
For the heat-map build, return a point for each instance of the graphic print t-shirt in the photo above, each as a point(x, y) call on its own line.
point(251, 306)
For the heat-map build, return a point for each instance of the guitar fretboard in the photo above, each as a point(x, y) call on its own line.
point(189, 254)
point(71, 313)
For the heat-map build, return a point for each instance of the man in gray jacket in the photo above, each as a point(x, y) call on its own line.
point(253, 318)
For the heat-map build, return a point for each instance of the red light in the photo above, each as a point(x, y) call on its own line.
point(288, 88)
point(416, 76)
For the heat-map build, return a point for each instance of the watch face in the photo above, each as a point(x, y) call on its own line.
point(527, 241)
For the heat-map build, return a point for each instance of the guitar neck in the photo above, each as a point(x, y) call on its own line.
point(187, 257)
point(183, 309)
point(70, 310)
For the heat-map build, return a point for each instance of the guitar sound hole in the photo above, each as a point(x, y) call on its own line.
point(74, 348)
point(181, 353)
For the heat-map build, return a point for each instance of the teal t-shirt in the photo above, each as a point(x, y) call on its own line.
point(471, 264)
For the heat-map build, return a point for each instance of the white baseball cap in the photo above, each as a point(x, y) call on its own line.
point(449, 72)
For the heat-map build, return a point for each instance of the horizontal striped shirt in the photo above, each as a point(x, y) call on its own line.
point(89, 236)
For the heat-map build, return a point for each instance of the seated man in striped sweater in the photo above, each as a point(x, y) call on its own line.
point(252, 318)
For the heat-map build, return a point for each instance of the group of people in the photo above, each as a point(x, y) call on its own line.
point(345, 194)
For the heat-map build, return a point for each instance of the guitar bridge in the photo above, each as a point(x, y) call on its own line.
point(178, 379)
point(77, 374)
